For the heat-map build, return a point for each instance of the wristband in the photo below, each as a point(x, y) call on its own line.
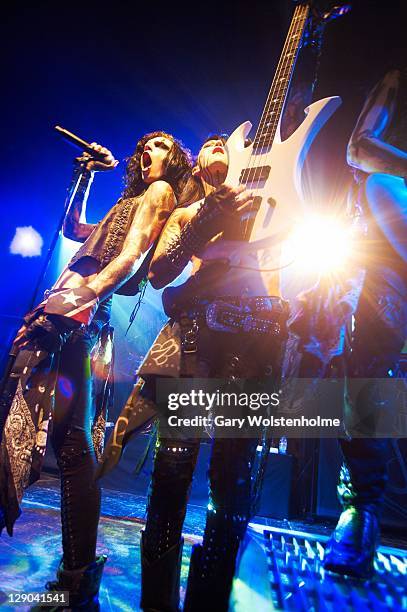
point(77, 306)
point(84, 182)
point(181, 249)
point(207, 223)
point(210, 218)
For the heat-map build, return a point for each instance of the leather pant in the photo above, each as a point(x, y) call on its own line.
point(73, 447)
point(219, 355)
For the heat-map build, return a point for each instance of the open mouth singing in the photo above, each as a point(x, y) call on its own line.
point(146, 161)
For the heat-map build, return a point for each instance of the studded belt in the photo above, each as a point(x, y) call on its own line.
point(265, 315)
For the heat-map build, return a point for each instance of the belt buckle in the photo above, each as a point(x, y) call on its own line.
point(213, 312)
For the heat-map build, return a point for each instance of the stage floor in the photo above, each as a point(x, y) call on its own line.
point(280, 567)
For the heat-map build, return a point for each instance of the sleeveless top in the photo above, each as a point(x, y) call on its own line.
point(107, 239)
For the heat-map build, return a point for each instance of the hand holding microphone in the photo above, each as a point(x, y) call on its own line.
point(94, 157)
point(92, 164)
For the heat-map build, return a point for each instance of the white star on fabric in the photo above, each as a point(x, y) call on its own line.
point(71, 298)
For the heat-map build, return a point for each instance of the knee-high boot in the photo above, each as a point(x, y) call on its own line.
point(212, 565)
point(80, 498)
point(82, 584)
point(160, 579)
point(80, 571)
point(209, 592)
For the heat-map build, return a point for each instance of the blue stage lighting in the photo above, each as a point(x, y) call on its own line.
point(27, 242)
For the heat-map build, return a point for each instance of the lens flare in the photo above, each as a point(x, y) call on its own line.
point(65, 386)
point(320, 243)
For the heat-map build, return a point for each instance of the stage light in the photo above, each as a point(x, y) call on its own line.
point(320, 243)
point(66, 250)
point(27, 242)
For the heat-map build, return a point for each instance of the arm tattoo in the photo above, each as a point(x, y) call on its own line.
point(152, 212)
point(73, 228)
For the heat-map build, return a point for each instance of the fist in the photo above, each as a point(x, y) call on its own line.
point(233, 199)
point(45, 335)
point(90, 164)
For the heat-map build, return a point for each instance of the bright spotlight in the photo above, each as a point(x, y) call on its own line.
point(27, 242)
point(320, 243)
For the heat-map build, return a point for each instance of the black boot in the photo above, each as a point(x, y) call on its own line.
point(351, 548)
point(205, 590)
point(194, 587)
point(82, 584)
point(160, 579)
point(362, 483)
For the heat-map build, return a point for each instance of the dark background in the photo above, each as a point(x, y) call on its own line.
point(111, 71)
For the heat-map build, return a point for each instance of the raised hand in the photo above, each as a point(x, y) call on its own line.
point(93, 165)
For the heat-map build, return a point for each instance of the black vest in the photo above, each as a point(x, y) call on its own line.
point(106, 242)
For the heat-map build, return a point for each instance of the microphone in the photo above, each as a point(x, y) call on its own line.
point(81, 144)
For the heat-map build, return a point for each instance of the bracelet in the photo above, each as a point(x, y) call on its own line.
point(85, 181)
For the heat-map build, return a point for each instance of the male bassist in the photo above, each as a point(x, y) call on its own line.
point(216, 345)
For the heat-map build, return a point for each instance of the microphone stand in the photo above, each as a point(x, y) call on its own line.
point(12, 353)
point(71, 192)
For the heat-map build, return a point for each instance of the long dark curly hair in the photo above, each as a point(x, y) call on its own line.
point(177, 167)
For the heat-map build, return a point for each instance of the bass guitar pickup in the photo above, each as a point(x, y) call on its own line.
point(259, 174)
